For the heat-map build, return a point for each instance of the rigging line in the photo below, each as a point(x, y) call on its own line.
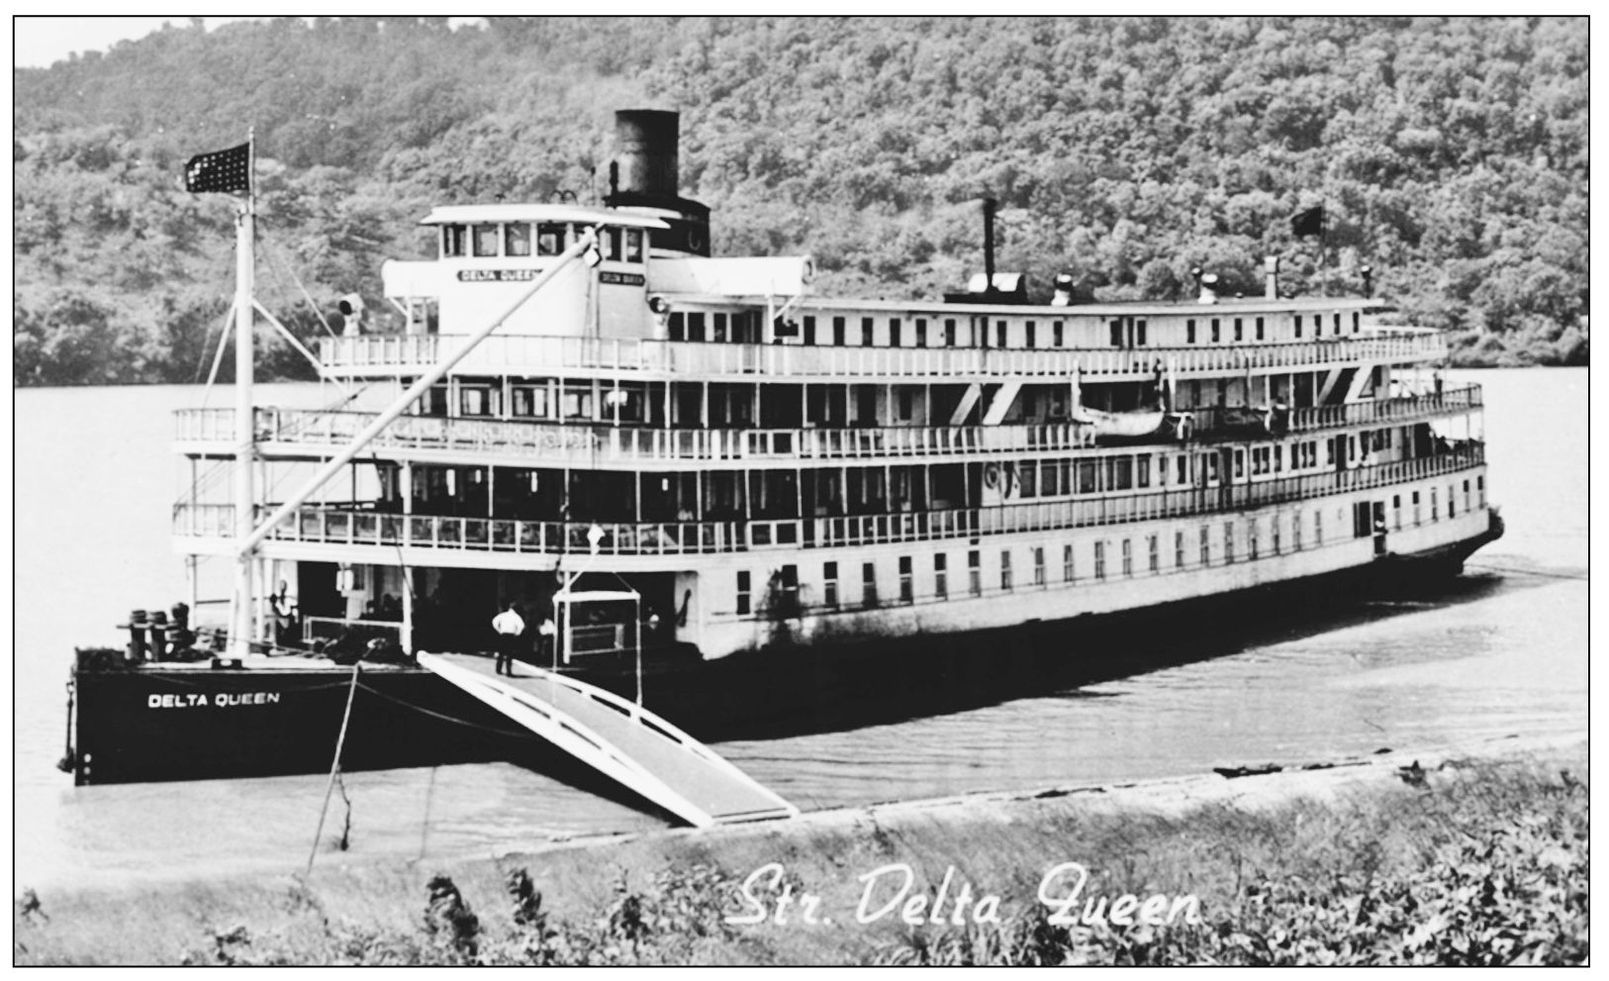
point(217, 359)
point(335, 766)
point(272, 258)
point(223, 330)
point(444, 716)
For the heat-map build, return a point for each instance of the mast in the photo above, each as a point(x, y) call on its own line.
point(240, 628)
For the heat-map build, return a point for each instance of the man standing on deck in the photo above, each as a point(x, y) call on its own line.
point(509, 626)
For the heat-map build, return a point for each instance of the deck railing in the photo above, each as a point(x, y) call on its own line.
point(547, 355)
point(349, 526)
point(590, 444)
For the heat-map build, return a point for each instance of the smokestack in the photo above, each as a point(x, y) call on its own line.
point(1271, 277)
point(988, 245)
point(649, 142)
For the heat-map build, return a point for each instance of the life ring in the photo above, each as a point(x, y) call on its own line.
point(991, 476)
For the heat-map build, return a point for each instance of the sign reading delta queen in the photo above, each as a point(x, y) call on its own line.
point(526, 275)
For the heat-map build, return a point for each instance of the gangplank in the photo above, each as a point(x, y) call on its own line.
point(619, 739)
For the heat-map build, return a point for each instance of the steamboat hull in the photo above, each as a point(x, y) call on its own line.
point(165, 722)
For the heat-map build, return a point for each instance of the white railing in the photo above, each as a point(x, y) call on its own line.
point(346, 525)
point(548, 355)
point(588, 444)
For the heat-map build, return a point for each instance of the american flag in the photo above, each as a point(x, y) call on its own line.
point(223, 170)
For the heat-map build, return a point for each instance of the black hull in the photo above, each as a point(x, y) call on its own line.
point(157, 722)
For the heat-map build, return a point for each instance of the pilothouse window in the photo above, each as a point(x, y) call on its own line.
point(453, 238)
point(549, 238)
point(485, 240)
point(633, 245)
point(517, 239)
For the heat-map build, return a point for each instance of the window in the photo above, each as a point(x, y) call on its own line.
point(829, 585)
point(1139, 332)
point(1356, 322)
point(1259, 328)
point(1100, 560)
point(452, 241)
point(1000, 333)
point(1116, 328)
point(1067, 574)
point(975, 573)
point(1318, 527)
point(788, 600)
point(1251, 539)
point(484, 239)
point(838, 331)
point(1216, 333)
point(1435, 504)
point(1229, 541)
point(678, 326)
point(949, 333)
point(1142, 471)
point(609, 243)
point(921, 332)
point(906, 405)
point(695, 326)
point(1178, 550)
point(742, 594)
point(1153, 558)
point(1206, 545)
point(1049, 480)
point(1452, 503)
point(868, 579)
point(1298, 321)
point(517, 239)
point(906, 593)
point(1296, 531)
point(1273, 534)
point(1056, 336)
point(549, 238)
point(633, 245)
point(1337, 323)
point(1240, 333)
point(893, 332)
point(867, 334)
point(1189, 331)
point(1416, 514)
point(941, 577)
point(1005, 570)
point(810, 330)
point(1028, 334)
point(719, 321)
point(1396, 511)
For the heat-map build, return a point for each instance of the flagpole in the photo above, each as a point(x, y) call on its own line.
point(240, 629)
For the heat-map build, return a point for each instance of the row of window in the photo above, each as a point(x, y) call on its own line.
point(787, 580)
point(1124, 332)
point(520, 239)
point(1216, 335)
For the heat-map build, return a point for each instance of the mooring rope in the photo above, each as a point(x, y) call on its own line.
point(335, 766)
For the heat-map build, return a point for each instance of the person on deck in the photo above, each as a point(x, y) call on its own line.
point(509, 626)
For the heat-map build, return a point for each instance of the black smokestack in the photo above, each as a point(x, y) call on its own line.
point(989, 205)
point(649, 151)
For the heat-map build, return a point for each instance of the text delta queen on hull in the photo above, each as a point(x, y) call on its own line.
point(887, 891)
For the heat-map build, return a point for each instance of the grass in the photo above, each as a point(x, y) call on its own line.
point(1473, 862)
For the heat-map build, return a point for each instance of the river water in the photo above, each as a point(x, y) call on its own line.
point(1503, 651)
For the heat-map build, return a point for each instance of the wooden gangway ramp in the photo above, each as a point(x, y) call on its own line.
point(618, 738)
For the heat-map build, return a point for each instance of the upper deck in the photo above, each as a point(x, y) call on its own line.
point(657, 359)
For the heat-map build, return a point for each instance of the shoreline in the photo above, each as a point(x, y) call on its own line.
point(1135, 838)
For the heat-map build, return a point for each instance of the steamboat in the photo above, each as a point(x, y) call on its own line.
point(706, 488)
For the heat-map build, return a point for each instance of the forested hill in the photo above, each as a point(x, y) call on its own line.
point(1451, 156)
